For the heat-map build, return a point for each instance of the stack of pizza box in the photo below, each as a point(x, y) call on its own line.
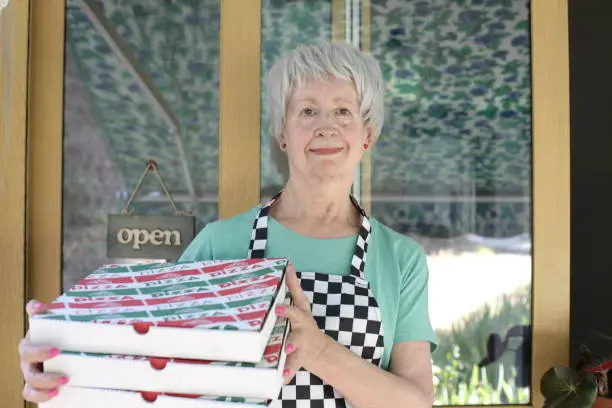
point(169, 335)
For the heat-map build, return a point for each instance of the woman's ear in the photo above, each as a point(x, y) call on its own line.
point(282, 144)
point(280, 159)
point(368, 136)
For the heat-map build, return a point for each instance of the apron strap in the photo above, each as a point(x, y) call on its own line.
point(259, 233)
point(358, 261)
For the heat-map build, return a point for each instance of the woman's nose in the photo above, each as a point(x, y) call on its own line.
point(326, 131)
point(327, 119)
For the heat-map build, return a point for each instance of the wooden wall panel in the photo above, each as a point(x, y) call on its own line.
point(45, 118)
point(551, 189)
point(13, 100)
point(239, 106)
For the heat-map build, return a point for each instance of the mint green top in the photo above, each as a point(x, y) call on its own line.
point(396, 267)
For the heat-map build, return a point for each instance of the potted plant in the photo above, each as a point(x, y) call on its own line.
point(588, 384)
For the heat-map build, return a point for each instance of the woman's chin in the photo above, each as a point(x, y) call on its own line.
point(331, 171)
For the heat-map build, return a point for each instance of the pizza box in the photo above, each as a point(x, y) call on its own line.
point(134, 373)
point(209, 310)
point(79, 397)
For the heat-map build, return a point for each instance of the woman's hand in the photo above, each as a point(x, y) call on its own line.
point(306, 341)
point(39, 387)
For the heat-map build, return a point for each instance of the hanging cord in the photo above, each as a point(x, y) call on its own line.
point(152, 166)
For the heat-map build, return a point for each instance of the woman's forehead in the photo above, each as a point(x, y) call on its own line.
point(334, 89)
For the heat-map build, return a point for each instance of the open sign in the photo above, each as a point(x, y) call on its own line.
point(148, 237)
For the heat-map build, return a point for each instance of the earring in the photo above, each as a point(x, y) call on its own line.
point(365, 146)
point(284, 146)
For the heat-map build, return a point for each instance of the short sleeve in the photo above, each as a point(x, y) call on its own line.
point(413, 323)
point(200, 248)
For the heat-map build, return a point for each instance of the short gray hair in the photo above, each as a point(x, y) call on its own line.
point(318, 60)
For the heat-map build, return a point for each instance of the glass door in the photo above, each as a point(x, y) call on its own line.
point(141, 82)
point(129, 83)
point(460, 167)
point(453, 170)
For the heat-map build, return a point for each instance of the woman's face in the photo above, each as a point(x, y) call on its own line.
point(324, 135)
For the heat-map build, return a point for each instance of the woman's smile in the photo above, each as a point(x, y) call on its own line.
point(326, 151)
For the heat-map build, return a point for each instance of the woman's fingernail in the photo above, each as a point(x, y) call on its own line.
point(285, 372)
point(290, 348)
point(54, 352)
point(63, 380)
point(52, 393)
point(280, 310)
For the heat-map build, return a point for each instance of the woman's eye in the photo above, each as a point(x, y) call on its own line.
point(344, 112)
point(308, 111)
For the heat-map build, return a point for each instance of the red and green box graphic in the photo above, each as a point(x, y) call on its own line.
point(233, 295)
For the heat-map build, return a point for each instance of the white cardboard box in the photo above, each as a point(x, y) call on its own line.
point(77, 397)
point(132, 373)
point(212, 310)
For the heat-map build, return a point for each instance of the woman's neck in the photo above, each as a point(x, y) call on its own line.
point(324, 210)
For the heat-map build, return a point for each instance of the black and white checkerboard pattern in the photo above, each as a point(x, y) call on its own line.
point(308, 391)
point(361, 249)
point(345, 310)
point(343, 307)
point(259, 233)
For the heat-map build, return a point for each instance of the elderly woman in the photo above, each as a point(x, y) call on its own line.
point(361, 334)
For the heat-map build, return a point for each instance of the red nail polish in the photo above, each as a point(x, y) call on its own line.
point(285, 372)
point(52, 393)
point(280, 310)
point(63, 380)
point(54, 352)
point(290, 348)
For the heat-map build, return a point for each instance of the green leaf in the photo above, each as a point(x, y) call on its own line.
point(564, 387)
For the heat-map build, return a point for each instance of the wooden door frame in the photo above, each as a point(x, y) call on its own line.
point(13, 99)
point(239, 159)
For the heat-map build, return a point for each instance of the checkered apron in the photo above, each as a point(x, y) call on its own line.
point(344, 309)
